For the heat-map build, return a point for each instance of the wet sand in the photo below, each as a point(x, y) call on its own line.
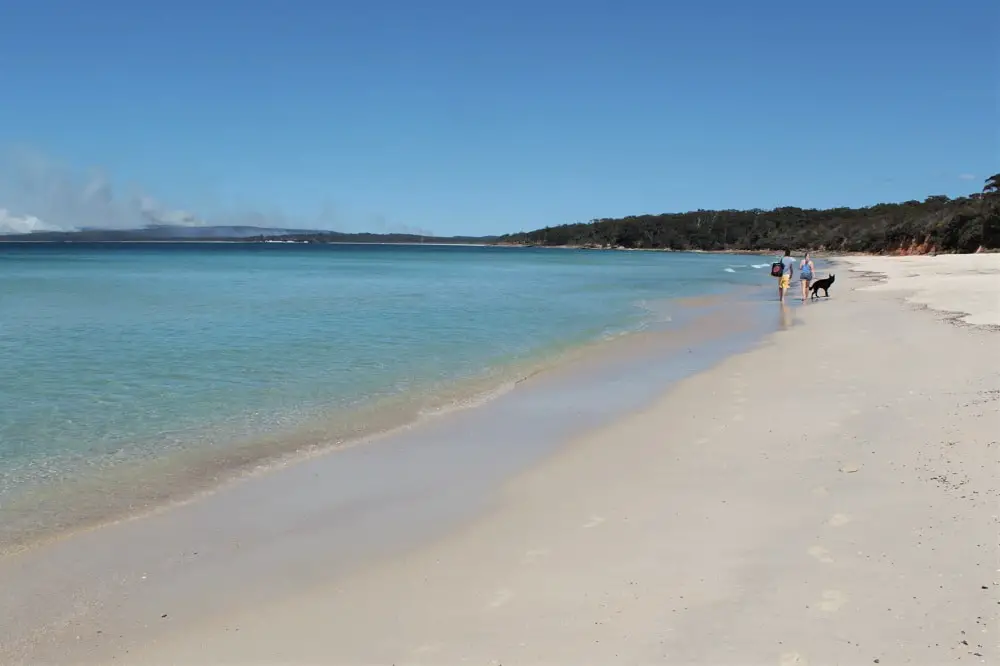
point(323, 516)
point(829, 496)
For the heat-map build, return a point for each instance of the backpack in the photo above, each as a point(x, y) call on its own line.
point(777, 268)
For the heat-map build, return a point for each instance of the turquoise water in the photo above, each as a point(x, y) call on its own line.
point(113, 355)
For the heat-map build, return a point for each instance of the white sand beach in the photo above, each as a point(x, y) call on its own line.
point(965, 284)
point(830, 497)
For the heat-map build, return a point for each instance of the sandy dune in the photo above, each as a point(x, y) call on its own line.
point(828, 498)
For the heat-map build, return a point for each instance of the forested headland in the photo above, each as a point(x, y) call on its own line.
point(936, 224)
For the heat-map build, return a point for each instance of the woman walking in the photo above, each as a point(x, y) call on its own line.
point(805, 275)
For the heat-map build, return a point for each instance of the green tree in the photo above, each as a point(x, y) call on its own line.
point(938, 223)
point(992, 186)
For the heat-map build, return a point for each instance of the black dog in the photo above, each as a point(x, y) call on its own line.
point(823, 284)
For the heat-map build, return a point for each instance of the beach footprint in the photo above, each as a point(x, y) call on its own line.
point(501, 598)
point(832, 601)
point(821, 554)
point(427, 648)
point(839, 520)
point(793, 659)
point(534, 555)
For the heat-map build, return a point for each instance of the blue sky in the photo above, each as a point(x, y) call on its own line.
point(487, 117)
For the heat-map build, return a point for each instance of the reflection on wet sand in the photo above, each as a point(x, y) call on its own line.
point(785, 322)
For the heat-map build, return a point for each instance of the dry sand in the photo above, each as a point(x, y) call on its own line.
point(830, 497)
point(961, 283)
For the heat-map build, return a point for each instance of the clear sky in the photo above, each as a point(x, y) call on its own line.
point(486, 116)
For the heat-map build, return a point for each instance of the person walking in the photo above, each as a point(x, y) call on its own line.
point(806, 269)
point(785, 281)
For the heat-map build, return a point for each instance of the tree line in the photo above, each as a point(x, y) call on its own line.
point(936, 224)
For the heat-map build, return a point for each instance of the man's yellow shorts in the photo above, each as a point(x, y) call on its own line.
point(786, 281)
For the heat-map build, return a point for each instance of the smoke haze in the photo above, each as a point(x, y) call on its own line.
point(41, 194)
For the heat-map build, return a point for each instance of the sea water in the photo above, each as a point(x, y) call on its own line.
point(135, 364)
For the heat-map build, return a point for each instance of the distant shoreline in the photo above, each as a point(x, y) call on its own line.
point(240, 241)
point(759, 253)
point(763, 253)
point(200, 241)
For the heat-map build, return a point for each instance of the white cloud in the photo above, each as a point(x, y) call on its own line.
point(967, 176)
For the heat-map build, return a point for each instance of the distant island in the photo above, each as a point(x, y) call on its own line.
point(937, 224)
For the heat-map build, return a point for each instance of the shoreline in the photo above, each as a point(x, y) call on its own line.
point(85, 504)
point(384, 480)
point(692, 530)
point(860, 531)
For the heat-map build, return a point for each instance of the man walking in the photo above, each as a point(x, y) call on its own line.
point(785, 281)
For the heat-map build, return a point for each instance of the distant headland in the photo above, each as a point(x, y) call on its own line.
point(936, 224)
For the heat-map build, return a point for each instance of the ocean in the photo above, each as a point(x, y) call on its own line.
point(131, 374)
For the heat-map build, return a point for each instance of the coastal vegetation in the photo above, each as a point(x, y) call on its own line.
point(936, 224)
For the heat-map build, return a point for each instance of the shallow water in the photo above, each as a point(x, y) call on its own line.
point(145, 368)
